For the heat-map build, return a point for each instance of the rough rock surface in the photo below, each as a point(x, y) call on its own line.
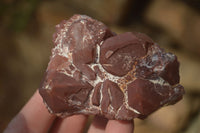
point(94, 71)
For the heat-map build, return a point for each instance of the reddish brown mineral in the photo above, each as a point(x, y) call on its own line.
point(94, 71)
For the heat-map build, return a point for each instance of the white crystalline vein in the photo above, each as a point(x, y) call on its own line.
point(98, 53)
point(160, 81)
point(101, 93)
point(109, 93)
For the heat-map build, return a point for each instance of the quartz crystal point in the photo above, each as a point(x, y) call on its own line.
point(94, 71)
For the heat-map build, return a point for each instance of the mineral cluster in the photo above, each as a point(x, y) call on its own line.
point(93, 70)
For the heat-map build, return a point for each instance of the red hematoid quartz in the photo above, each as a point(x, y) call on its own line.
point(95, 71)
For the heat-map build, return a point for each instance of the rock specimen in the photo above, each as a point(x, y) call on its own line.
point(94, 71)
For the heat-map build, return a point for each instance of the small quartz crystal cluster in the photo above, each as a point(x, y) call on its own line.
point(94, 71)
